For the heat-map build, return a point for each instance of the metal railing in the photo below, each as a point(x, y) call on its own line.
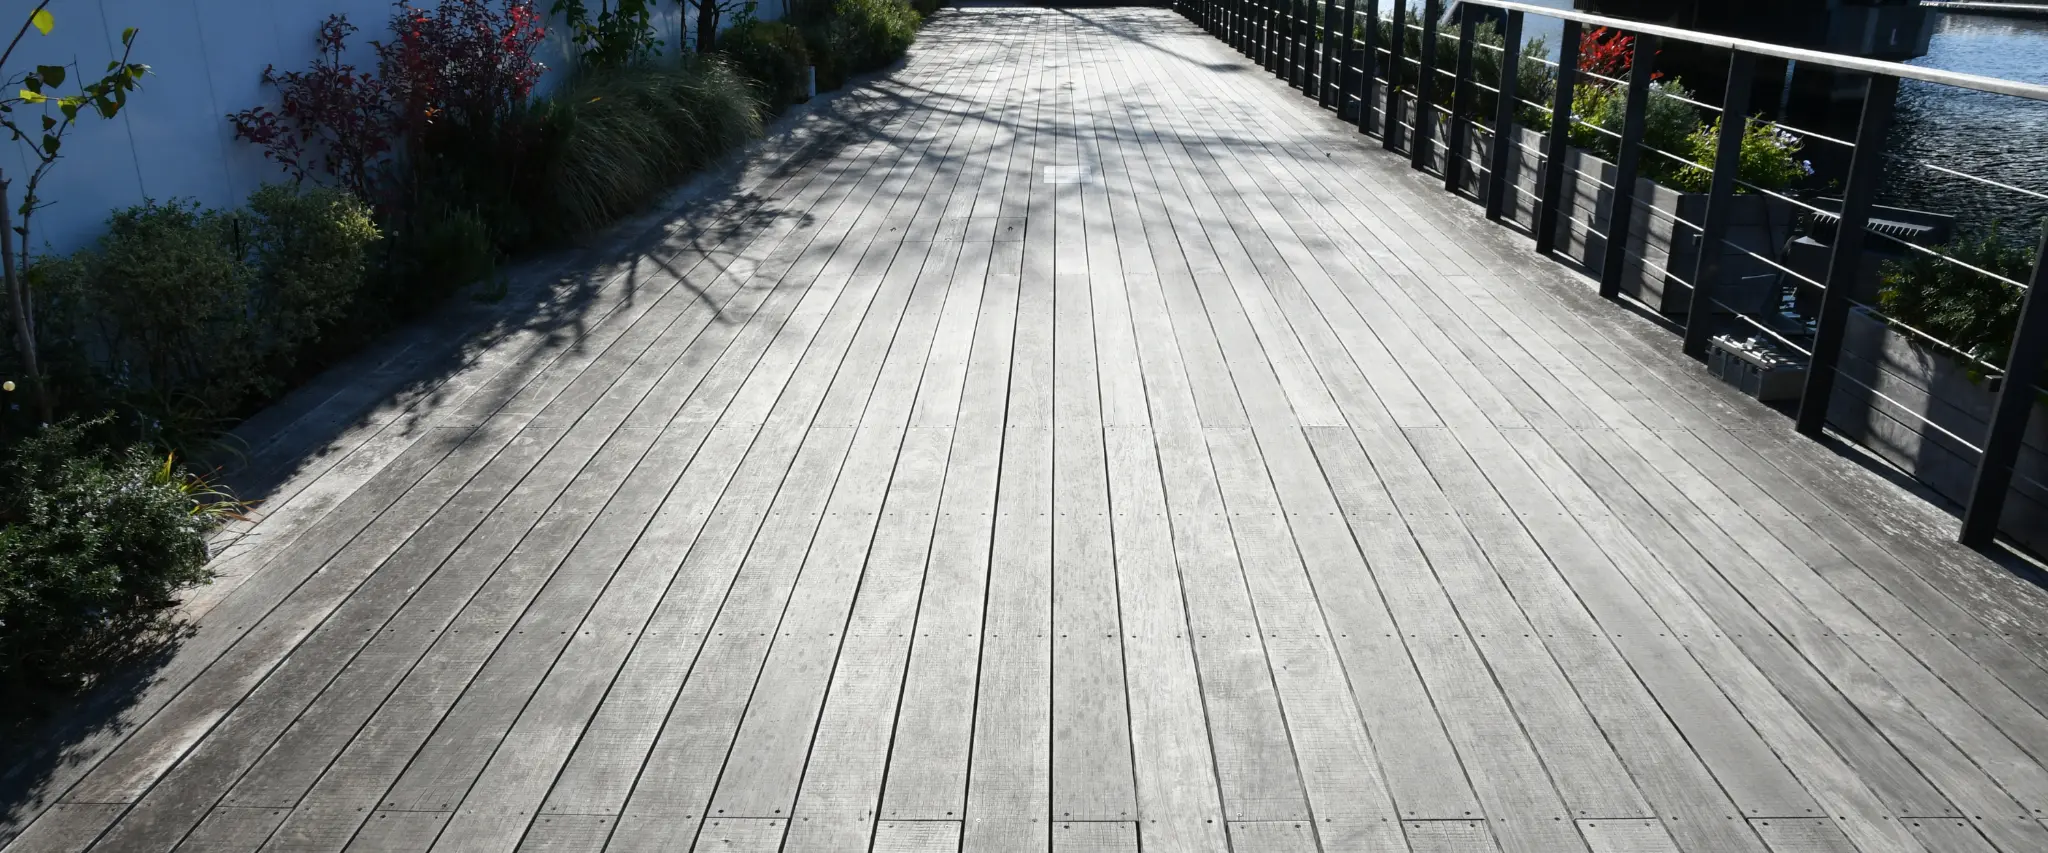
point(1332, 51)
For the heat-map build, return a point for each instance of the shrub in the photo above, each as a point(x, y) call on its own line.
point(310, 252)
point(185, 317)
point(826, 41)
point(1668, 124)
point(878, 31)
point(1968, 310)
point(631, 133)
point(1769, 158)
point(927, 8)
point(95, 545)
point(621, 33)
point(331, 117)
point(773, 55)
point(158, 312)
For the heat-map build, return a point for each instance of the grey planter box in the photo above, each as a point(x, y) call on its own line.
point(1924, 382)
point(1663, 250)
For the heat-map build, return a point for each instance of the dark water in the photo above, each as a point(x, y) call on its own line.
point(1993, 136)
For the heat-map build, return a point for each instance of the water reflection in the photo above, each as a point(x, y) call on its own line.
point(1993, 136)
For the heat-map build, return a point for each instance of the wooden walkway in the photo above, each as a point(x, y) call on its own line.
point(1083, 445)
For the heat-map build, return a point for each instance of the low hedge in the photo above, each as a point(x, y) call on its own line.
point(773, 55)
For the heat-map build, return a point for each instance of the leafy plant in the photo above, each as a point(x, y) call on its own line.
point(310, 251)
point(1669, 123)
point(465, 65)
point(37, 93)
point(1609, 53)
point(621, 33)
point(95, 545)
point(331, 117)
point(1972, 312)
point(825, 41)
point(878, 31)
point(773, 55)
point(1769, 158)
point(630, 133)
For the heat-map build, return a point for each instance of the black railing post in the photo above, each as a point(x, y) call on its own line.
point(1419, 149)
point(1369, 68)
point(1347, 53)
point(1304, 44)
point(1699, 316)
point(1461, 103)
point(1560, 139)
point(2016, 398)
point(1397, 42)
point(1331, 68)
point(1622, 212)
point(1507, 137)
point(1866, 167)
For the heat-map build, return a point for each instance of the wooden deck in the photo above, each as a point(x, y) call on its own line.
point(1081, 443)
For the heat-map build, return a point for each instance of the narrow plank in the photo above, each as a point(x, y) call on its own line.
point(917, 836)
point(1091, 749)
point(1277, 836)
point(1095, 836)
point(389, 831)
point(227, 829)
point(741, 835)
point(1814, 835)
point(1449, 836)
point(1950, 835)
point(568, 833)
point(1627, 836)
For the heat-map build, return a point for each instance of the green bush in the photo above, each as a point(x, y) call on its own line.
point(1769, 158)
point(311, 252)
point(185, 318)
point(157, 317)
point(95, 544)
point(927, 8)
point(772, 54)
point(826, 41)
point(631, 133)
point(1968, 310)
point(1668, 124)
point(878, 31)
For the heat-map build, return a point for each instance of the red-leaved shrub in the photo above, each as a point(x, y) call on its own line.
point(467, 62)
point(330, 117)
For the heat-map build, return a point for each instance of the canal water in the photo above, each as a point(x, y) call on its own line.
point(1992, 136)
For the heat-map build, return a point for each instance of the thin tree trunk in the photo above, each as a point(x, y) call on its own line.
point(18, 305)
point(707, 26)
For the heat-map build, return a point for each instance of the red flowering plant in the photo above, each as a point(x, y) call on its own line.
point(1609, 53)
point(330, 117)
point(468, 62)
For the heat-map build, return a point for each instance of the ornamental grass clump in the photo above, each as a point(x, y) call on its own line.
point(631, 133)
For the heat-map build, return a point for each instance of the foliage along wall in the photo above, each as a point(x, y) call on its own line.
point(206, 59)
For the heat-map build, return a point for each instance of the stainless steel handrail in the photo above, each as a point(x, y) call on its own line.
point(1763, 48)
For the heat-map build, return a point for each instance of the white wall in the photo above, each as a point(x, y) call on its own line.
point(206, 59)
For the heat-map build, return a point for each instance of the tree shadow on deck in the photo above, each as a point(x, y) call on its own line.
point(438, 371)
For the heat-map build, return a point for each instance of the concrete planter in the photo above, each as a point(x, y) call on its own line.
point(1924, 382)
point(1663, 251)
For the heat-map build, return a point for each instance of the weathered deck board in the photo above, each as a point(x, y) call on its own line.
point(1075, 440)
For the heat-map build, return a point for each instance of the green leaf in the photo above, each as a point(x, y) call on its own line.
point(49, 122)
point(51, 143)
point(43, 20)
point(128, 36)
point(53, 75)
point(33, 97)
